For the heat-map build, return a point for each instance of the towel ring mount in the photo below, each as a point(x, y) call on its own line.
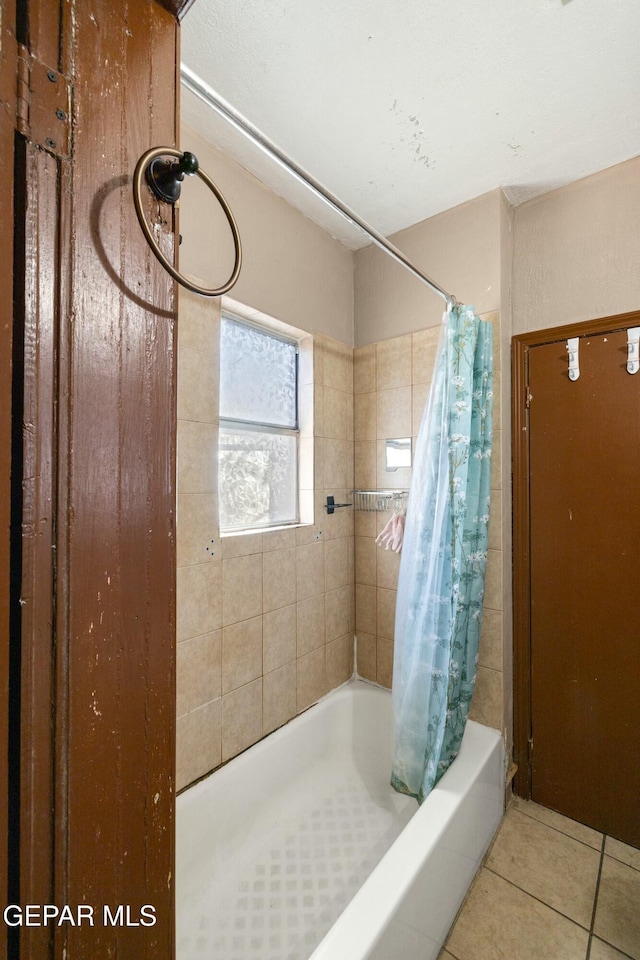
point(164, 177)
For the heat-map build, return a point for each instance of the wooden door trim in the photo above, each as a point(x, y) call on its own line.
point(521, 569)
point(8, 69)
point(521, 344)
point(39, 322)
point(92, 831)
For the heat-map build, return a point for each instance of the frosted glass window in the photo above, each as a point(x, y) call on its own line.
point(258, 445)
point(258, 374)
point(257, 477)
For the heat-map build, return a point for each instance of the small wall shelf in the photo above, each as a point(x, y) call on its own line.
point(373, 501)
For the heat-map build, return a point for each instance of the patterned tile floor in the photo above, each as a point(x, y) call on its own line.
point(550, 889)
point(278, 901)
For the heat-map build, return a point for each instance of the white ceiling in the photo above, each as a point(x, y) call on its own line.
point(404, 108)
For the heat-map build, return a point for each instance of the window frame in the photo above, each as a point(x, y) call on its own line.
point(258, 426)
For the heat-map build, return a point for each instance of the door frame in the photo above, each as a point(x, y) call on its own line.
point(8, 70)
point(521, 344)
point(60, 789)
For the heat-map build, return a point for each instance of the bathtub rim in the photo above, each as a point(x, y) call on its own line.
point(373, 907)
point(369, 913)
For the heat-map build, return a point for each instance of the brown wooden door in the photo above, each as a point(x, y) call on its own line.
point(91, 788)
point(584, 473)
point(8, 67)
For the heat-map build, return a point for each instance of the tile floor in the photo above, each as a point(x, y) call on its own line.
point(550, 889)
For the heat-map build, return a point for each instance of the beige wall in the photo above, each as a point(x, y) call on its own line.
point(460, 249)
point(291, 268)
point(502, 450)
point(265, 621)
point(576, 251)
point(391, 383)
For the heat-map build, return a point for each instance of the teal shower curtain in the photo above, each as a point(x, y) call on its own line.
point(444, 555)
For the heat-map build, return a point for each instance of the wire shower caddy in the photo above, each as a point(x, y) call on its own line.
point(375, 501)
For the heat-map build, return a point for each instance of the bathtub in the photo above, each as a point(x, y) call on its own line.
point(299, 848)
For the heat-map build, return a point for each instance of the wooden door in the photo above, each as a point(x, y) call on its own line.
point(584, 515)
point(8, 67)
point(93, 606)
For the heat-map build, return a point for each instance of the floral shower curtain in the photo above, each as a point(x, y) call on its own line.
point(443, 561)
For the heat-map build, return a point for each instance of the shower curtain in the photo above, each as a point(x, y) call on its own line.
point(443, 560)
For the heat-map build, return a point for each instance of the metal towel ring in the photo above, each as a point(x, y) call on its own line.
point(164, 178)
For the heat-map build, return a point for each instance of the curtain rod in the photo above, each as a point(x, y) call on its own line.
point(197, 86)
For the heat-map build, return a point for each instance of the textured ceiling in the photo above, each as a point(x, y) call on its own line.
point(404, 108)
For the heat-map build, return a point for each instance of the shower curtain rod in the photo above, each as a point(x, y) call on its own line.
point(196, 85)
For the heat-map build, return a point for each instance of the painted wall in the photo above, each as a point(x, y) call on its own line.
point(291, 269)
point(502, 450)
point(576, 251)
point(460, 249)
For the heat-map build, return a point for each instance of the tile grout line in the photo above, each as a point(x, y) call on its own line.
point(558, 830)
point(537, 899)
point(595, 898)
point(584, 843)
point(625, 863)
point(589, 930)
point(593, 919)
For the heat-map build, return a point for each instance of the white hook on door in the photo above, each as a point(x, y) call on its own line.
point(574, 364)
point(633, 349)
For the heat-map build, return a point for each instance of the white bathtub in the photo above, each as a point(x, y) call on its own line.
point(299, 848)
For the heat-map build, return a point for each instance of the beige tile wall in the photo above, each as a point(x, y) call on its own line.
point(391, 383)
point(266, 620)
